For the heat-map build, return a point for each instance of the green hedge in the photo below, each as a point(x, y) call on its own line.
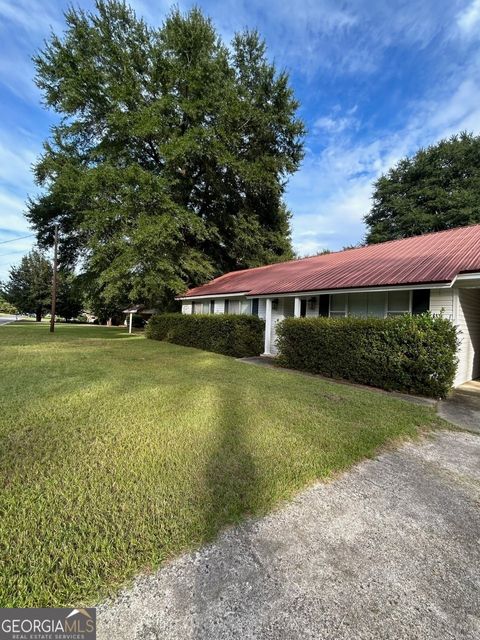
point(232, 335)
point(414, 354)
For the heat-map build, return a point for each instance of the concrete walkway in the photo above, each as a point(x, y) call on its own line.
point(390, 550)
point(462, 407)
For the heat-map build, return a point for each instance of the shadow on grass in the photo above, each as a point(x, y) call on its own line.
point(234, 491)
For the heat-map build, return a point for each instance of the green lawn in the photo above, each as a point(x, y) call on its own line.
point(118, 452)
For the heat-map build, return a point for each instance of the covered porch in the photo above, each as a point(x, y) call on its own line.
point(467, 319)
point(367, 304)
point(460, 303)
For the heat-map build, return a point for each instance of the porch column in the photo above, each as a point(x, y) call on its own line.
point(268, 326)
point(297, 309)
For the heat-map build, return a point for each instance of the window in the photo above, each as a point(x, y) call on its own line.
point(212, 306)
point(398, 303)
point(255, 307)
point(197, 307)
point(206, 307)
point(234, 306)
point(367, 305)
point(376, 305)
point(244, 307)
point(303, 308)
point(358, 305)
point(338, 305)
point(324, 305)
point(420, 300)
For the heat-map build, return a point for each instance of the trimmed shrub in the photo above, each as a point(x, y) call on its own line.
point(232, 335)
point(413, 354)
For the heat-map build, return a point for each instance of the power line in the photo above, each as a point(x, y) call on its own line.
point(12, 253)
point(19, 238)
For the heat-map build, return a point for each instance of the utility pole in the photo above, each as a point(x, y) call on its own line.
point(54, 280)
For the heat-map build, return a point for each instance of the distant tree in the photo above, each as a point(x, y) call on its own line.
point(438, 188)
point(322, 252)
point(29, 284)
point(170, 160)
point(106, 309)
point(6, 307)
point(347, 247)
point(70, 297)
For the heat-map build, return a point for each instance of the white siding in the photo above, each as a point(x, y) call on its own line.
point(441, 301)
point(468, 323)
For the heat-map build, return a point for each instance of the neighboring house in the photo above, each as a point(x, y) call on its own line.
point(439, 272)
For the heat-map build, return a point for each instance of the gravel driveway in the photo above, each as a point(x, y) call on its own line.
point(390, 549)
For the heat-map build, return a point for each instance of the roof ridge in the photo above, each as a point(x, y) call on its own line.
point(396, 261)
point(377, 244)
point(365, 246)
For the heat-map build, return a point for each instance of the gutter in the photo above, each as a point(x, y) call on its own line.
point(319, 292)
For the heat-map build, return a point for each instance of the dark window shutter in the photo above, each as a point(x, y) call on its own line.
point(303, 308)
point(226, 306)
point(212, 306)
point(420, 301)
point(255, 307)
point(324, 305)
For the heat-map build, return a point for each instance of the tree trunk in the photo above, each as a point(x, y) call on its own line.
point(38, 314)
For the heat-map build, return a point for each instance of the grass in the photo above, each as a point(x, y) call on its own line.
point(117, 452)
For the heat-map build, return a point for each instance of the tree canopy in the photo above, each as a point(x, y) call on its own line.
point(438, 188)
point(170, 160)
point(28, 287)
point(70, 295)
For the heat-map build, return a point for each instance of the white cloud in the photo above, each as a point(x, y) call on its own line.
point(334, 123)
point(350, 37)
point(12, 225)
point(11, 214)
point(32, 16)
point(331, 193)
point(15, 183)
point(468, 20)
point(15, 163)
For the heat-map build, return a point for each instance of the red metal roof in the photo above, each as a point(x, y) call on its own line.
point(430, 258)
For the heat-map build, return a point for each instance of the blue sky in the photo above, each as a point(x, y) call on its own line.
point(376, 80)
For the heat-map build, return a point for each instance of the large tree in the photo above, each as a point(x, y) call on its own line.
point(70, 295)
point(170, 160)
point(438, 188)
point(29, 284)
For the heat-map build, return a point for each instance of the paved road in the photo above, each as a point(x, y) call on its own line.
point(390, 550)
point(7, 319)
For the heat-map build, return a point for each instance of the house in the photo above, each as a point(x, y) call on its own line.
point(438, 271)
